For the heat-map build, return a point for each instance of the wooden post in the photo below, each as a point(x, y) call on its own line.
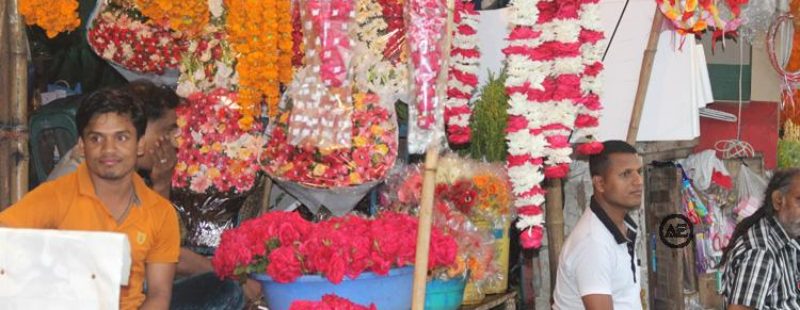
point(19, 104)
point(6, 75)
point(644, 76)
point(424, 230)
point(554, 219)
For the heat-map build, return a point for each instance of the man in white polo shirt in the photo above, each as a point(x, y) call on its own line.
point(598, 267)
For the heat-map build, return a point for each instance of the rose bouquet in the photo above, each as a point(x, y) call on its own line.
point(206, 64)
point(214, 152)
point(119, 35)
point(372, 153)
point(285, 246)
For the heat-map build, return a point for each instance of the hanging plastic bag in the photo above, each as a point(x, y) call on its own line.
point(321, 92)
point(426, 20)
point(750, 187)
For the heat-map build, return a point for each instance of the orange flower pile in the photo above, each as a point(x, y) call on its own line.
point(261, 33)
point(54, 16)
point(185, 16)
point(493, 193)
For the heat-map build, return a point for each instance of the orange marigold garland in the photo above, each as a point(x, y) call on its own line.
point(54, 16)
point(186, 16)
point(256, 32)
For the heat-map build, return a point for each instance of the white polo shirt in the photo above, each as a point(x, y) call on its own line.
point(598, 259)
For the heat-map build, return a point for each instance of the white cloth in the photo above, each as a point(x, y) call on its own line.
point(59, 269)
point(592, 262)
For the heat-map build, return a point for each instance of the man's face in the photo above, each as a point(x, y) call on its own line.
point(110, 146)
point(787, 208)
point(166, 126)
point(621, 184)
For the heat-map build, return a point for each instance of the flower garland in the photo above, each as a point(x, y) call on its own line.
point(329, 302)
point(589, 106)
point(54, 16)
point(395, 30)
point(297, 35)
point(327, 26)
point(463, 72)
point(188, 17)
point(133, 44)
point(427, 18)
point(373, 72)
point(525, 145)
point(214, 154)
point(260, 31)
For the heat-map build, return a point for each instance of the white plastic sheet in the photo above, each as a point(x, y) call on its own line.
point(57, 269)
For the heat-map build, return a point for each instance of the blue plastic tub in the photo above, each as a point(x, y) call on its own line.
point(445, 295)
point(390, 292)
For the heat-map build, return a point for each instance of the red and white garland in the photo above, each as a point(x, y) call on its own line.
point(589, 107)
point(552, 46)
point(462, 73)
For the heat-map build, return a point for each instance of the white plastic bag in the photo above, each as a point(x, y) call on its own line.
point(750, 188)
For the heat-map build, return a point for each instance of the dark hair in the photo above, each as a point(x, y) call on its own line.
point(111, 101)
point(155, 99)
point(598, 163)
point(780, 181)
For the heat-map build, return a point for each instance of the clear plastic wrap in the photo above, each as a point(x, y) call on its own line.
point(426, 20)
point(321, 92)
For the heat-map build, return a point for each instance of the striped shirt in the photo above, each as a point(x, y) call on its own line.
point(762, 271)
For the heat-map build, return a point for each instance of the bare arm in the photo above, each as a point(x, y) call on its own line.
point(191, 263)
point(597, 302)
point(159, 286)
point(738, 307)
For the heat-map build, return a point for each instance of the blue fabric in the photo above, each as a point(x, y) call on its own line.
point(206, 291)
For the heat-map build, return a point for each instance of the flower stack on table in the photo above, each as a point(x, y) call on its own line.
point(472, 203)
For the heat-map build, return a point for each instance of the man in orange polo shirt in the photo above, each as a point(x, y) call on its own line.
point(105, 194)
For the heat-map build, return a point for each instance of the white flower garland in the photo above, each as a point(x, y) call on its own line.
point(457, 109)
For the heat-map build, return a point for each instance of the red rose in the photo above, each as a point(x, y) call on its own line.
point(284, 267)
point(531, 238)
point(590, 148)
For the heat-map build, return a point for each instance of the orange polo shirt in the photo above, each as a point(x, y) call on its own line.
point(70, 203)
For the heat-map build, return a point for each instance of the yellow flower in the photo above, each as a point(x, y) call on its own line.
point(376, 130)
point(355, 178)
point(193, 169)
point(359, 141)
point(319, 169)
point(382, 149)
point(214, 173)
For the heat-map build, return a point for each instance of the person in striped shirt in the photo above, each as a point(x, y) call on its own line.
point(760, 263)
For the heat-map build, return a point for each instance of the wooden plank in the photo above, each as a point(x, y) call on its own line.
point(491, 301)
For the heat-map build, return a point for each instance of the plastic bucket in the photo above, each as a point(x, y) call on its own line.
point(445, 295)
point(390, 292)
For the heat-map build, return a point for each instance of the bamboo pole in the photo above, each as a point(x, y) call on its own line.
point(5, 102)
point(19, 104)
point(644, 76)
point(554, 219)
point(424, 231)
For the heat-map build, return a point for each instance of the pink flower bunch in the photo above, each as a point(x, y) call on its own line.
point(284, 246)
point(328, 35)
point(329, 302)
point(213, 151)
point(427, 19)
point(135, 45)
point(372, 153)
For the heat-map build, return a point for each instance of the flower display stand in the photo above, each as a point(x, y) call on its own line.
point(390, 292)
